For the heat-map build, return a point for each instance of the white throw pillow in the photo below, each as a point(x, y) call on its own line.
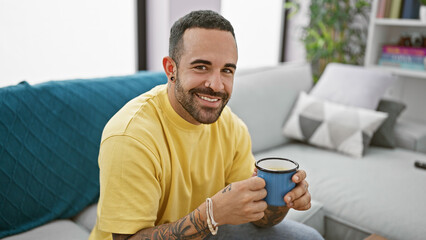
point(352, 85)
point(332, 125)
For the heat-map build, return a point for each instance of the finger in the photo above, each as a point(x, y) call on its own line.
point(254, 172)
point(256, 183)
point(297, 192)
point(260, 194)
point(259, 206)
point(299, 176)
point(303, 203)
point(304, 208)
point(257, 216)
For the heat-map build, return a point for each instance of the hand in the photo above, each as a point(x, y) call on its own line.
point(240, 202)
point(299, 198)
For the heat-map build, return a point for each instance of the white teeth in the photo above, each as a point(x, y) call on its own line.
point(208, 99)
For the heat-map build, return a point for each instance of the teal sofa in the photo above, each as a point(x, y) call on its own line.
point(49, 143)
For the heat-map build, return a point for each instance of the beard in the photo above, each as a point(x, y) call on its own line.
point(201, 114)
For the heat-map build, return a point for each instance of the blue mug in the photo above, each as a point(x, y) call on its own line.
point(277, 173)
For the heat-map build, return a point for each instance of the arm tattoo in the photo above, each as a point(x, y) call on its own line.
point(273, 216)
point(189, 227)
point(195, 218)
point(227, 188)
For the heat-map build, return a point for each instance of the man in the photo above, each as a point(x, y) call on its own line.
point(167, 151)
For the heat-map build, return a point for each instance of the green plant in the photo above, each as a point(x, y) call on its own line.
point(423, 2)
point(337, 32)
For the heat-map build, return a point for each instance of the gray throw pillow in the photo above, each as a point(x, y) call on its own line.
point(352, 85)
point(385, 135)
point(338, 127)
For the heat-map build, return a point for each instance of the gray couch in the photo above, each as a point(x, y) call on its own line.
point(380, 193)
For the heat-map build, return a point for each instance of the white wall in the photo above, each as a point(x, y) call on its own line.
point(157, 33)
point(257, 26)
point(56, 39)
point(179, 8)
point(161, 14)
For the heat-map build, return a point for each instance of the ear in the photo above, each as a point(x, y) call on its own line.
point(169, 67)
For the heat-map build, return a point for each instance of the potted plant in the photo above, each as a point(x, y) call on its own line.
point(337, 32)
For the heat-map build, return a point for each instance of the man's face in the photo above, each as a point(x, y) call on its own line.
point(205, 75)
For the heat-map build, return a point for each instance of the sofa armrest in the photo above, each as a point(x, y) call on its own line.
point(410, 135)
point(314, 217)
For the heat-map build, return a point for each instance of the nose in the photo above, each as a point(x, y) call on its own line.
point(215, 82)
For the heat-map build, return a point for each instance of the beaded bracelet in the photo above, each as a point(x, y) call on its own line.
point(212, 224)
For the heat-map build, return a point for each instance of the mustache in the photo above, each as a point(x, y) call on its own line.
point(209, 91)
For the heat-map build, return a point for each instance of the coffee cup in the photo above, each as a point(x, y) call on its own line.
point(277, 173)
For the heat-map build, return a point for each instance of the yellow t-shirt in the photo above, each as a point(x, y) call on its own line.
point(155, 167)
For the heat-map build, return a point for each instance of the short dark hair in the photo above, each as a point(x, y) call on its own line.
point(196, 19)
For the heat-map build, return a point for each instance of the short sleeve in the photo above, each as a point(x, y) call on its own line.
point(129, 186)
point(243, 162)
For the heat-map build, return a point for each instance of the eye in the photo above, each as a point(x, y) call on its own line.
point(228, 70)
point(200, 67)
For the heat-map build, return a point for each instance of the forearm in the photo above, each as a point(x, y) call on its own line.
point(273, 216)
point(192, 226)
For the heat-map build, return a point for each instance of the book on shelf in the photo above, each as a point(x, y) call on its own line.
point(416, 51)
point(387, 8)
point(403, 57)
point(395, 9)
point(381, 9)
point(410, 66)
point(410, 9)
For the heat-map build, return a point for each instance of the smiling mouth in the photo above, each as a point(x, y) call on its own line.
point(208, 98)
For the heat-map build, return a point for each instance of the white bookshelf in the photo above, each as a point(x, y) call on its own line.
point(399, 22)
point(384, 31)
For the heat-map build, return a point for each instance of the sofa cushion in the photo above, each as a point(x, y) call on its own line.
point(87, 217)
point(352, 85)
point(331, 125)
point(49, 141)
point(410, 135)
point(263, 99)
point(385, 135)
point(380, 193)
point(59, 229)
